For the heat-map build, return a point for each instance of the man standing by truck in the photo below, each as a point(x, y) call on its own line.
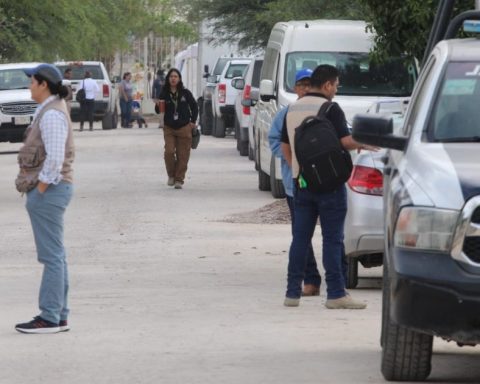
point(330, 207)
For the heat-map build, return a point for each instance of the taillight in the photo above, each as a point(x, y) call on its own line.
point(106, 90)
point(246, 96)
point(222, 93)
point(366, 180)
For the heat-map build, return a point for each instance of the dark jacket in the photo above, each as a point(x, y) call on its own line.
point(182, 103)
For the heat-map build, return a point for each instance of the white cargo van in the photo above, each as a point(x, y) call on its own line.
point(306, 44)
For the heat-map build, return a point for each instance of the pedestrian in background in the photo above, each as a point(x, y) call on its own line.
point(330, 207)
point(158, 84)
point(87, 107)
point(181, 112)
point(125, 90)
point(45, 161)
point(312, 280)
point(67, 76)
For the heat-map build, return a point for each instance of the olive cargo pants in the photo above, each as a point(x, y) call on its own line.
point(178, 143)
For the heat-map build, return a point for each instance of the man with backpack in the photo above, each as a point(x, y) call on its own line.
point(319, 184)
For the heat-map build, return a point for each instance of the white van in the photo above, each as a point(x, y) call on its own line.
point(296, 45)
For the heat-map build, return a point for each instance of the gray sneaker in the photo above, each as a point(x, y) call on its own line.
point(290, 302)
point(178, 185)
point(345, 302)
point(171, 181)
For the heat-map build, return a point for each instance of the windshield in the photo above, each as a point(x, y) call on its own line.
point(456, 114)
point(13, 79)
point(236, 70)
point(359, 75)
point(78, 71)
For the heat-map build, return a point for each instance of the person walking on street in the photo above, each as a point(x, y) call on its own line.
point(330, 207)
point(87, 107)
point(67, 75)
point(125, 90)
point(181, 112)
point(158, 84)
point(312, 280)
point(45, 161)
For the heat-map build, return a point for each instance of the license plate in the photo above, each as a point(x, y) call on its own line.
point(21, 120)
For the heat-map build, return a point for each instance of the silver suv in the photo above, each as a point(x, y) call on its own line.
point(432, 208)
point(105, 99)
point(16, 104)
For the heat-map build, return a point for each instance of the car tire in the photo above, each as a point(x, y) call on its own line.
point(406, 354)
point(206, 120)
point(219, 127)
point(263, 178)
point(276, 186)
point(108, 120)
point(351, 280)
point(251, 153)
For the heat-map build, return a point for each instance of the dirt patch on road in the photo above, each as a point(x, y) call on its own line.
point(274, 213)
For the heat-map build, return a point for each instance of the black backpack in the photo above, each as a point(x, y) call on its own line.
point(324, 163)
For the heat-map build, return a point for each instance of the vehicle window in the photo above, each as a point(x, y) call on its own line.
point(217, 71)
point(13, 79)
point(456, 113)
point(78, 71)
point(270, 61)
point(359, 74)
point(420, 97)
point(257, 68)
point(236, 70)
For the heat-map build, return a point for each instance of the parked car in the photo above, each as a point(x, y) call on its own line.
point(364, 237)
point(105, 100)
point(206, 106)
point(223, 101)
point(16, 105)
point(432, 208)
point(307, 44)
point(243, 103)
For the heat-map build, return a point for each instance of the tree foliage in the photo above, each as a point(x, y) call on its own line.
point(81, 29)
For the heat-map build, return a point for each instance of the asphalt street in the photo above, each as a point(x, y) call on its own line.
point(165, 290)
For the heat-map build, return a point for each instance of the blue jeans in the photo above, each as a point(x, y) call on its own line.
point(311, 271)
point(125, 111)
point(46, 213)
point(331, 208)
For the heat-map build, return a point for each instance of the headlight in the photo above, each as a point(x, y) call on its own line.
point(425, 228)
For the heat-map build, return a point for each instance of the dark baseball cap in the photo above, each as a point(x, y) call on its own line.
point(47, 71)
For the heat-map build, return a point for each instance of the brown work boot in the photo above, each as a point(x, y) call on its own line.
point(345, 302)
point(310, 290)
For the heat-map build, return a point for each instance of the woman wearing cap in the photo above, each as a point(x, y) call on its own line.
point(181, 111)
point(45, 176)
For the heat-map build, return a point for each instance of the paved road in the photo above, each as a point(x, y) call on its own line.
point(164, 291)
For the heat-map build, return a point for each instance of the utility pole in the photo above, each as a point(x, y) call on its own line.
point(172, 51)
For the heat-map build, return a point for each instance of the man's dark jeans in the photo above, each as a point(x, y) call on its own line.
point(331, 208)
point(311, 271)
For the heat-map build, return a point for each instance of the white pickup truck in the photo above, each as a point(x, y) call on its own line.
point(105, 100)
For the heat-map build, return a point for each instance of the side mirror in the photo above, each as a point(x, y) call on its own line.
point(238, 83)
point(247, 102)
point(266, 90)
point(116, 79)
point(254, 94)
point(206, 69)
point(212, 79)
point(377, 131)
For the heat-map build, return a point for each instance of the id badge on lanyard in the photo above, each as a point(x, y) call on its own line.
point(175, 103)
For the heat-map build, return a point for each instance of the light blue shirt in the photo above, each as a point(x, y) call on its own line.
point(275, 141)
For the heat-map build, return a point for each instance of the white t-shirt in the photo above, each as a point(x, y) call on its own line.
point(90, 86)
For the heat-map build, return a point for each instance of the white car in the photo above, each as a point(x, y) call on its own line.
point(105, 100)
point(16, 105)
point(224, 96)
point(244, 103)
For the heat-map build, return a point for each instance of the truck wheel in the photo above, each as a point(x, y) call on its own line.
point(207, 119)
point(244, 148)
point(251, 155)
point(278, 191)
point(237, 131)
point(219, 127)
point(352, 272)
point(263, 178)
point(107, 121)
point(406, 354)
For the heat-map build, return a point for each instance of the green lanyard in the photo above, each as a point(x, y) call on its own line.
point(174, 97)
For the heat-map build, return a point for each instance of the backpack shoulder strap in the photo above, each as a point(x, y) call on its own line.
point(325, 108)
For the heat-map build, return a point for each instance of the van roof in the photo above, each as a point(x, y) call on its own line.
point(306, 35)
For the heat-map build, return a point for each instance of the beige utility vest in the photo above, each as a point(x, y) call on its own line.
point(297, 112)
point(32, 155)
